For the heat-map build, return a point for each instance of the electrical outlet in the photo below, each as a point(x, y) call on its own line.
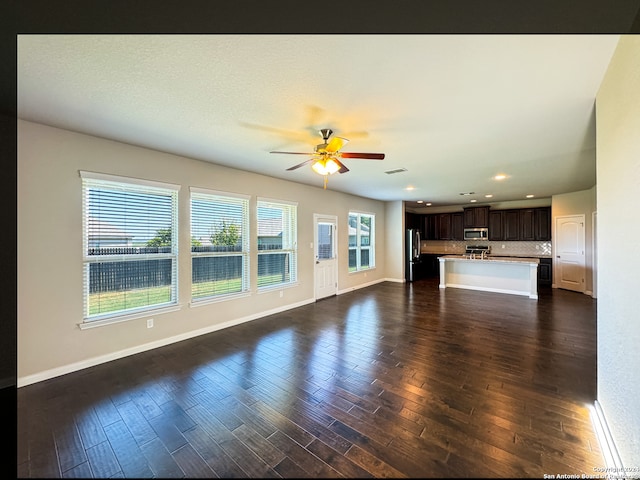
point(149, 322)
point(281, 294)
point(502, 246)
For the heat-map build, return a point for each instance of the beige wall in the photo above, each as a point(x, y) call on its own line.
point(577, 203)
point(618, 173)
point(394, 215)
point(49, 340)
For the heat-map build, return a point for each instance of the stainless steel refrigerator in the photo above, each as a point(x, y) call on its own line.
point(412, 255)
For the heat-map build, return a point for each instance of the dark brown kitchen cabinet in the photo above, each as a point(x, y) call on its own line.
point(511, 225)
point(457, 226)
point(523, 224)
point(430, 265)
point(545, 272)
point(412, 220)
point(443, 226)
point(496, 220)
point(475, 217)
point(519, 224)
point(429, 227)
point(543, 223)
point(527, 224)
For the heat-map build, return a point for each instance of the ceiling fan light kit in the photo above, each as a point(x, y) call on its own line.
point(325, 156)
point(325, 166)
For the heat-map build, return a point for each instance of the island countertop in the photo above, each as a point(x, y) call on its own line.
point(495, 253)
point(490, 258)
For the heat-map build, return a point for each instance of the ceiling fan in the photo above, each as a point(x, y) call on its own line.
point(325, 158)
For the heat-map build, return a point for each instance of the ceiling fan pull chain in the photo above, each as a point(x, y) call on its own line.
point(326, 179)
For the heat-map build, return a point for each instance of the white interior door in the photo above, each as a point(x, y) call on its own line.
point(326, 257)
point(569, 253)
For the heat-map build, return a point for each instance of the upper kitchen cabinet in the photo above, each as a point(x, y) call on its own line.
point(511, 225)
point(523, 224)
point(457, 226)
point(444, 226)
point(543, 223)
point(527, 224)
point(518, 224)
point(496, 225)
point(475, 217)
point(413, 220)
point(429, 230)
point(535, 223)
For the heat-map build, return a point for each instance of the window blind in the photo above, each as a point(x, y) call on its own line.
point(219, 244)
point(130, 245)
point(277, 243)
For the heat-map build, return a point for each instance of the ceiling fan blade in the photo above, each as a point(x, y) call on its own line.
point(343, 167)
point(296, 153)
point(301, 164)
point(367, 156)
point(335, 144)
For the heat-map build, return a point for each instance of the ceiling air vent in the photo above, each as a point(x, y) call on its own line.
point(397, 170)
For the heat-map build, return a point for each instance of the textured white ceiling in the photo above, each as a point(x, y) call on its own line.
point(453, 110)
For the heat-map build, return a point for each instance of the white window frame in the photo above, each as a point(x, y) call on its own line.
point(358, 247)
point(112, 182)
point(289, 240)
point(243, 202)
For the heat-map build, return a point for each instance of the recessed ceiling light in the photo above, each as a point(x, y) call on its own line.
point(420, 201)
point(410, 188)
point(428, 204)
point(500, 176)
point(473, 201)
point(488, 195)
point(530, 196)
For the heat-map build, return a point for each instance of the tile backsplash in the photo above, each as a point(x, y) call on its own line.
point(540, 248)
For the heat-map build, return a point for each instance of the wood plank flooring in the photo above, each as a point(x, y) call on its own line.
point(393, 380)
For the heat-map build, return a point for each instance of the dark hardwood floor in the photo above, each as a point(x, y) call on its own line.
point(393, 380)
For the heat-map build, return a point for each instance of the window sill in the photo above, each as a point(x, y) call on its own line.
point(125, 318)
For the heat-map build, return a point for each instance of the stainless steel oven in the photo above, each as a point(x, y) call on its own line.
point(476, 233)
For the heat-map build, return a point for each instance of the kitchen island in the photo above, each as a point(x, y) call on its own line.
point(512, 275)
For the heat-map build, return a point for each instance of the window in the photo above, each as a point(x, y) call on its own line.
point(130, 245)
point(361, 241)
point(277, 243)
point(219, 244)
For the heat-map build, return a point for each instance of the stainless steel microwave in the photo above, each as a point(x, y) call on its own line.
point(476, 233)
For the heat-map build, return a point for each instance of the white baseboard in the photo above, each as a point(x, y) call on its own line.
point(397, 280)
point(362, 285)
point(607, 445)
point(73, 367)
